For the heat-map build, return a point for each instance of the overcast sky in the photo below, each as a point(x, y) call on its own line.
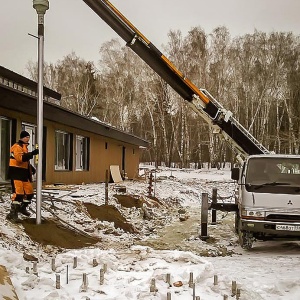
point(70, 25)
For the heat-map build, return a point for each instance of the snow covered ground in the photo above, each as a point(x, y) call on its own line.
point(268, 271)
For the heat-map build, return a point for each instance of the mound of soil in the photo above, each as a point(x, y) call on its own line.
point(50, 232)
point(129, 201)
point(109, 213)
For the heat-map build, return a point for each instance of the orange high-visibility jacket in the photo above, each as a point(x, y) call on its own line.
point(19, 162)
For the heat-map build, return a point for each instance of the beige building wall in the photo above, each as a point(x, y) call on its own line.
point(103, 153)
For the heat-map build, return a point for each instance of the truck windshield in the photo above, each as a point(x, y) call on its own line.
point(268, 171)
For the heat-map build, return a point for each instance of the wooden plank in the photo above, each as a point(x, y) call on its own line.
point(115, 173)
point(7, 290)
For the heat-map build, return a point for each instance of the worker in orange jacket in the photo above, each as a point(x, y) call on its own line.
point(20, 172)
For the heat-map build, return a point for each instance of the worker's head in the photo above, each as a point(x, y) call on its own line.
point(24, 135)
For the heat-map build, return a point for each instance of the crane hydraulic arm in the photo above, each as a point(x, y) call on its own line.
point(199, 99)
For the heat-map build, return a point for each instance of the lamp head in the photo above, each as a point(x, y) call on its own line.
point(41, 6)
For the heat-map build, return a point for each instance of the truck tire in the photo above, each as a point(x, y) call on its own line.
point(246, 239)
point(237, 223)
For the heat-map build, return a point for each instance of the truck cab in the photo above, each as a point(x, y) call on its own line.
point(268, 198)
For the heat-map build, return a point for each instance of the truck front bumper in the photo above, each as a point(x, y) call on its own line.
point(279, 229)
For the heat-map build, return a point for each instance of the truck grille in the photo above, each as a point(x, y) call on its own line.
point(284, 218)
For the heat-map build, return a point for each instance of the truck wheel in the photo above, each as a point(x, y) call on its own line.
point(246, 239)
point(237, 223)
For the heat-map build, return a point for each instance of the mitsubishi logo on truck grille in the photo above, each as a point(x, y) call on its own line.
point(290, 202)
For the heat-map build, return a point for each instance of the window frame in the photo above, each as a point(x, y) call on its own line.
point(66, 164)
point(82, 153)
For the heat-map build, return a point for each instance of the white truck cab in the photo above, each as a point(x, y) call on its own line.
point(268, 198)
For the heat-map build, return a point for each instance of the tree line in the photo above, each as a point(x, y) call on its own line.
point(255, 76)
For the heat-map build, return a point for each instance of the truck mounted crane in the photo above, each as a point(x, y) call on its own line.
point(268, 198)
point(201, 101)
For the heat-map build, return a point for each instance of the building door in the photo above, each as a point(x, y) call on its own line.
point(5, 143)
point(123, 160)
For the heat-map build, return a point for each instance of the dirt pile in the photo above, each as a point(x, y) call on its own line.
point(109, 213)
point(128, 220)
point(52, 232)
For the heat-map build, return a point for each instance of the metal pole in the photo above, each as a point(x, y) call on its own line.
point(41, 6)
point(214, 211)
point(40, 119)
point(204, 217)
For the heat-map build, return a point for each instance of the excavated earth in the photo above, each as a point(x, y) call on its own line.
point(75, 217)
point(181, 234)
point(51, 232)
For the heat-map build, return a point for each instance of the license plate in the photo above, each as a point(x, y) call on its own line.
point(288, 227)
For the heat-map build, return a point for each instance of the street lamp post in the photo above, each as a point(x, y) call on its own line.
point(40, 6)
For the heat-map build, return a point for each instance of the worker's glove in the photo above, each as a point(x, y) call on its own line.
point(32, 169)
point(35, 152)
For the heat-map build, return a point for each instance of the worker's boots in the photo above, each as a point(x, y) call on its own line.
point(13, 214)
point(23, 210)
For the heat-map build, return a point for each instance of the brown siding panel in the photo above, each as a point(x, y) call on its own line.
point(22, 107)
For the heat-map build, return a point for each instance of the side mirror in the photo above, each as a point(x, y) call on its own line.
point(235, 173)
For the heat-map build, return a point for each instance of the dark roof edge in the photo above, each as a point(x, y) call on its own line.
point(118, 134)
point(19, 79)
point(23, 103)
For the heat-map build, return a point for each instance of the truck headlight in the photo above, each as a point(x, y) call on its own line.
point(253, 214)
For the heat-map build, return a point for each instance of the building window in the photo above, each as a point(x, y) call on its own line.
point(82, 153)
point(106, 145)
point(62, 150)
